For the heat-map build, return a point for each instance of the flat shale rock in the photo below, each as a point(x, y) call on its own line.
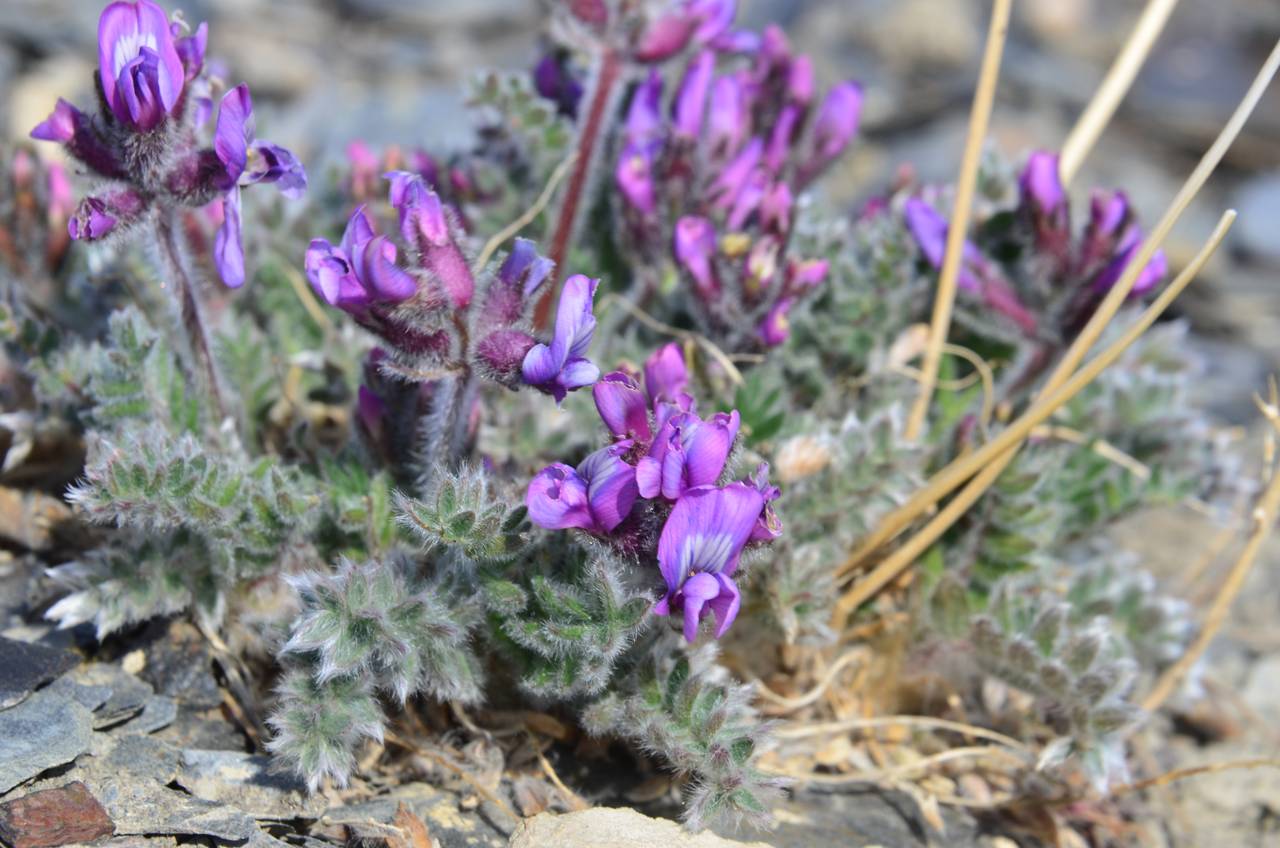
point(158, 712)
point(143, 808)
point(245, 781)
point(129, 695)
point(54, 817)
point(24, 666)
point(42, 732)
point(865, 819)
point(614, 827)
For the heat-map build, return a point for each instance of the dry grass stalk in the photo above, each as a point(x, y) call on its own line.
point(991, 459)
point(500, 237)
point(1264, 517)
point(1193, 771)
point(961, 209)
point(788, 705)
point(1094, 119)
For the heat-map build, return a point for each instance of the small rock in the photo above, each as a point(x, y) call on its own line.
point(42, 732)
point(54, 817)
point(157, 713)
point(437, 809)
point(28, 519)
point(204, 729)
point(128, 694)
point(26, 666)
point(179, 664)
point(245, 781)
point(88, 696)
point(139, 757)
point(142, 808)
point(613, 827)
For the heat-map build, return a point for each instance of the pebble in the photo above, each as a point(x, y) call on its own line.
point(26, 666)
point(54, 817)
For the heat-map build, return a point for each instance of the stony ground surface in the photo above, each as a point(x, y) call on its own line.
point(146, 744)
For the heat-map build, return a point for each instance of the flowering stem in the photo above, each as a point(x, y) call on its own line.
point(189, 308)
point(583, 166)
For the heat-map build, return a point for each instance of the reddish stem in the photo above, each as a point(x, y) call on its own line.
point(610, 68)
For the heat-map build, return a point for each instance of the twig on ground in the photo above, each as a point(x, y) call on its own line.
point(526, 217)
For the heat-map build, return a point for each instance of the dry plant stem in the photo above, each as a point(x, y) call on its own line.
point(961, 210)
point(991, 459)
point(189, 308)
point(792, 704)
point(1101, 447)
point(1193, 771)
point(804, 729)
point(897, 773)
point(584, 160)
point(1093, 121)
point(575, 801)
point(702, 341)
point(526, 217)
point(957, 472)
point(1264, 516)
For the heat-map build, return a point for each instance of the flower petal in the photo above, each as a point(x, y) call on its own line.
point(228, 248)
point(557, 499)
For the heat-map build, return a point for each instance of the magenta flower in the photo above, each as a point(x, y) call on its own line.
point(665, 375)
point(245, 161)
point(691, 98)
point(1151, 276)
point(776, 328)
point(521, 274)
point(835, 126)
point(622, 406)
point(699, 550)
point(73, 128)
point(695, 249)
point(687, 452)
point(1045, 202)
point(359, 272)
point(98, 216)
point(424, 224)
point(727, 119)
point(562, 366)
point(684, 22)
point(141, 73)
point(596, 496)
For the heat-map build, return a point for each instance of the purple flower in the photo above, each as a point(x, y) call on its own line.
point(72, 128)
point(141, 72)
point(776, 328)
point(775, 210)
point(805, 274)
point(245, 161)
point(665, 375)
point(521, 274)
point(360, 271)
point(97, 217)
point(781, 137)
point(622, 406)
point(424, 224)
point(724, 190)
point(727, 121)
point(800, 81)
point(552, 80)
point(501, 355)
point(596, 496)
point(634, 177)
point(691, 98)
point(1150, 277)
point(695, 248)
point(833, 129)
point(699, 550)
point(977, 275)
point(687, 452)
point(682, 23)
point(562, 366)
point(191, 48)
point(1045, 202)
point(1109, 219)
point(642, 139)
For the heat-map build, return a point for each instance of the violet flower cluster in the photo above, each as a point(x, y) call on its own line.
point(664, 462)
point(154, 95)
point(419, 296)
point(1082, 269)
point(710, 178)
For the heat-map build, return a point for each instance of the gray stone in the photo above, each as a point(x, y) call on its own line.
point(143, 808)
point(246, 781)
point(42, 732)
point(24, 666)
point(143, 758)
point(615, 827)
point(866, 818)
point(180, 665)
point(128, 694)
point(205, 729)
point(157, 713)
point(86, 695)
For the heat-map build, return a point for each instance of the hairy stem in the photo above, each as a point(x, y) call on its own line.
point(189, 307)
point(583, 166)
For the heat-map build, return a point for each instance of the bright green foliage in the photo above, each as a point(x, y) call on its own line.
point(365, 629)
point(463, 517)
point(319, 724)
point(680, 705)
point(565, 629)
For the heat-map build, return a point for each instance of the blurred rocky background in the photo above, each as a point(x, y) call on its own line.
point(392, 71)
